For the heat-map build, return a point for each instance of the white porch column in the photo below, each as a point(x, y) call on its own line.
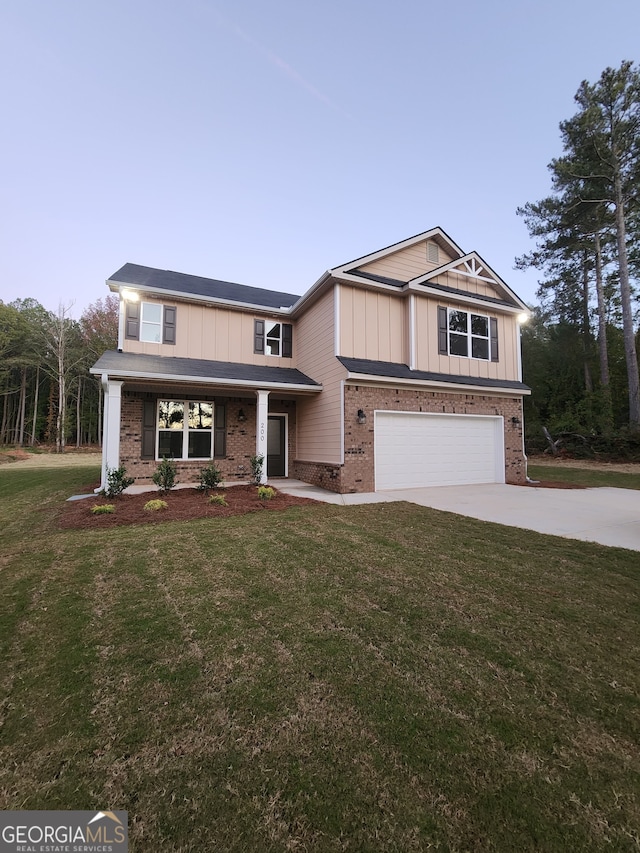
point(111, 428)
point(262, 426)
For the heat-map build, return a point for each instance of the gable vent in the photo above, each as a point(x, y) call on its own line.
point(433, 256)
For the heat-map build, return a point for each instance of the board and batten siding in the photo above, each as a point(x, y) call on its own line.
point(429, 359)
point(319, 418)
point(407, 263)
point(372, 325)
point(215, 334)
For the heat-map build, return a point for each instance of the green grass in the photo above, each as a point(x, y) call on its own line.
point(592, 477)
point(373, 678)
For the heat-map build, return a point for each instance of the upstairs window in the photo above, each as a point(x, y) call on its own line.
point(150, 322)
point(273, 338)
point(467, 335)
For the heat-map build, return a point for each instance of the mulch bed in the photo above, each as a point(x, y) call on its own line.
point(182, 505)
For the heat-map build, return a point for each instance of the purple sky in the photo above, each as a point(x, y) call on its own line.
point(265, 142)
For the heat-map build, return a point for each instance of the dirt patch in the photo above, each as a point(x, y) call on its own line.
point(589, 464)
point(19, 458)
point(552, 484)
point(182, 505)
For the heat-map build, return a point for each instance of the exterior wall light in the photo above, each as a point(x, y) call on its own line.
point(515, 420)
point(362, 418)
point(130, 296)
point(241, 415)
point(523, 318)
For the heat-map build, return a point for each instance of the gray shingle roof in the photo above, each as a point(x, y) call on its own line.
point(129, 364)
point(194, 285)
point(454, 291)
point(402, 371)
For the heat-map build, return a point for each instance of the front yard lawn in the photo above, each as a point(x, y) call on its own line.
point(325, 678)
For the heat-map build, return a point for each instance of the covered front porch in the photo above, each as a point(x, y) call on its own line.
point(228, 420)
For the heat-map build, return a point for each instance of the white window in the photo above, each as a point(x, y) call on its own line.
point(468, 334)
point(185, 429)
point(274, 343)
point(151, 322)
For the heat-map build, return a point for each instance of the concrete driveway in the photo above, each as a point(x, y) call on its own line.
point(607, 516)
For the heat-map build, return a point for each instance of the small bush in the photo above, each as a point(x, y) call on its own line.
point(210, 478)
point(218, 500)
point(117, 482)
point(103, 509)
point(265, 493)
point(155, 505)
point(165, 475)
point(256, 463)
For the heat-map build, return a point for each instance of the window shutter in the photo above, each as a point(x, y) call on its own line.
point(148, 446)
point(493, 337)
point(258, 336)
point(169, 325)
point(220, 430)
point(443, 330)
point(132, 321)
point(287, 340)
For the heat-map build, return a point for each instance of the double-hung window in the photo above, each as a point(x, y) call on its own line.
point(467, 335)
point(271, 338)
point(150, 322)
point(185, 429)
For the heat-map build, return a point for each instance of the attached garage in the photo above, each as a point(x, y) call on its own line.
point(414, 449)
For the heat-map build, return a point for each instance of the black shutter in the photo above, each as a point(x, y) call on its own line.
point(493, 337)
point(132, 321)
point(258, 336)
point(287, 340)
point(443, 332)
point(148, 446)
point(220, 430)
point(169, 325)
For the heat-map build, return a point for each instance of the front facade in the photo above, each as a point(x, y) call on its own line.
point(396, 370)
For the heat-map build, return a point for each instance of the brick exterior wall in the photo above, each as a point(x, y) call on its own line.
point(240, 436)
point(357, 473)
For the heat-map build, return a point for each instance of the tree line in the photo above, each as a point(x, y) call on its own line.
point(580, 352)
point(48, 395)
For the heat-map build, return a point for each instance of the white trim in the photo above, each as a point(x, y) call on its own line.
point(205, 380)
point(122, 319)
point(342, 387)
point(111, 425)
point(453, 387)
point(336, 319)
point(413, 342)
point(462, 298)
point(284, 415)
point(262, 427)
point(519, 351)
point(396, 247)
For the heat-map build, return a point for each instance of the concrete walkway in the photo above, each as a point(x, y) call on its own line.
point(608, 516)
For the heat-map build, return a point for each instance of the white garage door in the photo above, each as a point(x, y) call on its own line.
point(414, 449)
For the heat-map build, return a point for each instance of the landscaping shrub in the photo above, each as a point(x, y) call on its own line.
point(117, 482)
point(165, 475)
point(218, 500)
point(257, 463)
point(265, 493)
point(103, 509)
point(210, 478)
point(155, 504)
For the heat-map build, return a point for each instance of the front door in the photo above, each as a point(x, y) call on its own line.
point(277, 446)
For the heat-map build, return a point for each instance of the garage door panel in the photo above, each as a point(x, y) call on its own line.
point(420, 449)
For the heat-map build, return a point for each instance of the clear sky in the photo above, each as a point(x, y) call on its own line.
point(263, 142)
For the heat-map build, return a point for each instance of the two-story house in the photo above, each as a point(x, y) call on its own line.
point(396, 370)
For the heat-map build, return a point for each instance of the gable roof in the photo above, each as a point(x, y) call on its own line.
point(169, 283)
point(436, 234)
